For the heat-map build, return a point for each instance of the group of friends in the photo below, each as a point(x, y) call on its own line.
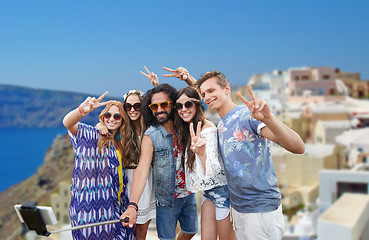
point(150, 154)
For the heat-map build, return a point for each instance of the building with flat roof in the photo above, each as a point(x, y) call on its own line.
point(334, 183)
point(357, 88)
point(298, 175)
point(346, 219)
point(325, 132)
point(320, 81)
point(357, 143)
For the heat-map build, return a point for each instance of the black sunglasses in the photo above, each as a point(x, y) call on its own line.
point(128, 106)
point(155, 106)
point(117, 116)
point(187, 104)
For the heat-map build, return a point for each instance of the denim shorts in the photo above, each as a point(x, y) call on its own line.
point(184, 210)
point(219, 195)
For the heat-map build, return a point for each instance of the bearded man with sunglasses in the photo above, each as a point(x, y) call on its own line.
point(161, 150)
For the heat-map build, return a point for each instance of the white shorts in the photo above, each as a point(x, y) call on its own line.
point(259, 226)
point(220, 213)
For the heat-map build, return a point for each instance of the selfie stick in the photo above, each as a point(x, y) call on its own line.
point(91, 225)
point(36, 218)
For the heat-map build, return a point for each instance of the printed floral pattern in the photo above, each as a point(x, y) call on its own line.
point(180, 186)
point(247, 159)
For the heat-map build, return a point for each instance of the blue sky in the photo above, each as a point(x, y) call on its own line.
point(97, 46)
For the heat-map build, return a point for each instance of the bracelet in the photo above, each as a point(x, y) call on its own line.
point(81, 112)
point(132, 204)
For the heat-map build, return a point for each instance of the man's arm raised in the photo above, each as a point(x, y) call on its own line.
point(182, 74)
point(275, 130)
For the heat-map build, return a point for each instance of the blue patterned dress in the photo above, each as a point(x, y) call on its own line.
point(94, 189)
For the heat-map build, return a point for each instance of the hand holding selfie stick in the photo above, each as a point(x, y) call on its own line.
point(37, 217)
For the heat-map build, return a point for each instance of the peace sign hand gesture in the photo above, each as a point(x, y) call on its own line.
point(180, 73)
point(198, 144)
point(91, 103)
point(259, 108)
point(151, 76)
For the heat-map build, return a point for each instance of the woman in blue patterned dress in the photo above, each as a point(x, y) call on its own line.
point(98, 187)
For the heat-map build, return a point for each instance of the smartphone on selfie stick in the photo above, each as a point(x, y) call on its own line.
point(37, 217)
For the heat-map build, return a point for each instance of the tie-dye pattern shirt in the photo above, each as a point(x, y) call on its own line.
point(251, 178)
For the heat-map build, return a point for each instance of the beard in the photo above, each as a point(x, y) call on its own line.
point(164, 119)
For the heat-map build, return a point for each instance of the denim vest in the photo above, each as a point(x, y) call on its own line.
point(163, 165)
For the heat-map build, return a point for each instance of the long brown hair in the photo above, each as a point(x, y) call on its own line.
point(106, 141)
point(131, 140)
point(183, 127)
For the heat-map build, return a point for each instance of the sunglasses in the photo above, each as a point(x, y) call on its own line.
point(128, 106)
point(117, 116)
point(187, 104)
point(155, 106)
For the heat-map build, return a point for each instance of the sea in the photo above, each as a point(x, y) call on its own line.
point(22, 152)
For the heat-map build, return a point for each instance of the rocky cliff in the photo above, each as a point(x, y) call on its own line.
point(57, 166)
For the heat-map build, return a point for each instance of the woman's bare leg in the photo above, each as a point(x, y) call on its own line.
point(225, 229)
point(141, 230)
point(208, 221)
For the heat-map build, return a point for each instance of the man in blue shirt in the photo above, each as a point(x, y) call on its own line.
point(161, 150)
point(244, 134)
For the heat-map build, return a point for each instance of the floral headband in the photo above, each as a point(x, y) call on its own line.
point(133, 91)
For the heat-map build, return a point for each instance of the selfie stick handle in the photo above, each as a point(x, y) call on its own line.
point(91, 225)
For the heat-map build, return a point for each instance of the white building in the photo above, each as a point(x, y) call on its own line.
point(325, 132)
point(346, 219)
point(334, 183)
point(344, 204)
point(357, 143)
point(276, 81)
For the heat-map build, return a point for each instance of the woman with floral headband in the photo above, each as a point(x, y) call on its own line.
point(98, 189)
point(131, 155)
